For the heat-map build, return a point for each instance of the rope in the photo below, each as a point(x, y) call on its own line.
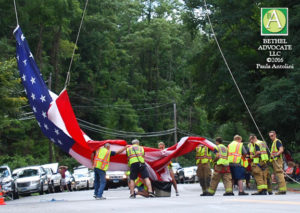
point(16, 12)
point(75, 45)
point(236, 85)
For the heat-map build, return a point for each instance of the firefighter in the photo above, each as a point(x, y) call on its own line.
point(258, 154)
point(221, 170)
point(277, 161)
point(203, 160)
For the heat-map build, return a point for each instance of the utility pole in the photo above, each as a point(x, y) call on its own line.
point(51, 152)
point(175, 124)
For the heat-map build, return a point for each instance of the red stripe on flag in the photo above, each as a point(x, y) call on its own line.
point(68, 116)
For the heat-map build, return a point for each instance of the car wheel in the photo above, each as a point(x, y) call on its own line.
point(41, 192)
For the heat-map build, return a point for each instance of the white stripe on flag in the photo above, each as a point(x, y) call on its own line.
point(84, 161)
point(55, 117)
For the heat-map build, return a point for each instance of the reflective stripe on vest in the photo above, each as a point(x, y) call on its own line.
point(135, 154)
point(274, 149)
point(203, 155)
point(222, 155)
point(101, 160)
point(263, 151)
point(235, 152)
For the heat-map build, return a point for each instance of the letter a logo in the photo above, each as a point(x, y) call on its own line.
point(274, 21)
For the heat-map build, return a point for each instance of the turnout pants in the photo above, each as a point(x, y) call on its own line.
point(260, 172)
point(269, 180)
point(221, 172)
point(204, 175)
point(277, 168)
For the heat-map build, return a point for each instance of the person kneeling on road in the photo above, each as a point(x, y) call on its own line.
point(221, 170)
point(136, 161)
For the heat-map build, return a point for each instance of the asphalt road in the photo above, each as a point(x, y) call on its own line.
point(188, 201)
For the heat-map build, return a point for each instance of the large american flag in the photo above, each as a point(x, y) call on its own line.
point(55, 117)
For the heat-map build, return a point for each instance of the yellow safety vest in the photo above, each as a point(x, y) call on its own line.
point(222, 154)
point(138, 182)
point(235, 152)
point(274, 150)
point(102, 158)
point(263, 150)
point(252, 151)
point(135, 154)
point(203, 155)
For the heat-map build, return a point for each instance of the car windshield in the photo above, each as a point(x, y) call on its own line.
point(3, 172)
point(28, 173)
point(48, 171)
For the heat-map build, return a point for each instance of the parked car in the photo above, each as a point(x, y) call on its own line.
point(81, 181)
point(190, 174)
point(54, 178)
point(178, 172)
point(115, 179)
point(8, 183)
point(86, 171)
point(31, 179)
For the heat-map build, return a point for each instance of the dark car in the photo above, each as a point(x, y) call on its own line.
point(178, 172)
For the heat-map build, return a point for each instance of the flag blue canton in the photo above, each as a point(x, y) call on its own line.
point(37, 93)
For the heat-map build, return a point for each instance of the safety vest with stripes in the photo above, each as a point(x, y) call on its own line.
point(222, 155)
point(102, 158)
point(274, 149)
point(252, 151)
point(135, 153)
point(235, 152)
point(263, 150)
point(203, 155)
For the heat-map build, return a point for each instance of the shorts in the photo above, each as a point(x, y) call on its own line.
point(136, 169)
point(63, 182)
point(237, 172)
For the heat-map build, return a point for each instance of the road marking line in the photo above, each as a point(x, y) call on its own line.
point(268, 201)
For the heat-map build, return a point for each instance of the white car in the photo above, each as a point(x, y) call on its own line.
point(31, 179)
point(54, 178)
point(190, 174)
point(81, 181)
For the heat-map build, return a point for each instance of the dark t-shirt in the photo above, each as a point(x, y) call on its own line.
point(278, 144)
point(112, 153)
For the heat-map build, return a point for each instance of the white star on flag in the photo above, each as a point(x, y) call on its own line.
point(30, 55)
point(34, 109)
point(33, 96)
point(32, 80)
point(24, 77)
point(44, 114)
point(25, 91)
point(51, 139)
point(25, 62)
point(56, 131)
point(22, 37)
point(59, 142)
point(18, 57)
point(43, 98)
point(39, 124)
point(46, 126)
